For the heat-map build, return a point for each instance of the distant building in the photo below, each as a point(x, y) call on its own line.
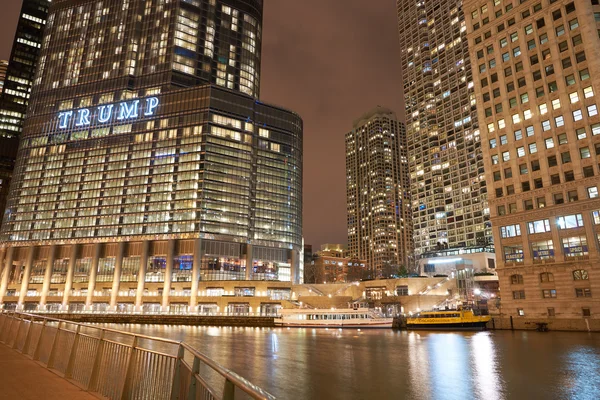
point(333, 264)
point(18, 74)
point(3, 68)
point(537, 73)
point(377, 193)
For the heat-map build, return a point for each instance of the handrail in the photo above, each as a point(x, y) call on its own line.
point(117, 368)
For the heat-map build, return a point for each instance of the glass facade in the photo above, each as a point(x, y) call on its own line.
point(149, 171)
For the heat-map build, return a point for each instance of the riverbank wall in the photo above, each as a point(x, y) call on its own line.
point(192, 320)
point(553, 324)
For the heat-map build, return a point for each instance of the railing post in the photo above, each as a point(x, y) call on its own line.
point(36, 353)
point(6, 334)
point(97, 363)
point(73, 354)
point(193, 381)
point(229, 390)
point(176, 388)
point(54, 345)
point(129, 370)
point(14, 346)
point(28, 337)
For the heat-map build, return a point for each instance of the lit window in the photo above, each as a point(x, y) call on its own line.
point(577, 115)
point(532, 148)
point(521, 151)
point(559, 121)
point(546, 125)
point(527, 114)
point(491, 127)
point(549, 143)
point(540, 226)
point(592, 110)
point(502, 124)
point(570, 221)
point(584, 152)
point(574, 97)
point(516, 118)
point(555, 104)
point(543, 108)
point(592, 192)
point(510, 231)
point(505, 156)
point(588, 92)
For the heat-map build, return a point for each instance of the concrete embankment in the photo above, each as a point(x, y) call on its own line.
point(201, 320)
point(552, 324)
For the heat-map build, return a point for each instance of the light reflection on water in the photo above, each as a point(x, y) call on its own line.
point(386, 364)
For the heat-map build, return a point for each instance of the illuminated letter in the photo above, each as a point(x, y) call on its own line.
point(83, 117)
point(63, 119)
point(105, 113)
point(128, 111)
point(151, 105)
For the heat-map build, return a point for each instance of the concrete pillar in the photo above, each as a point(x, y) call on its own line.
point(294, 267)
point(2, 255)
point(558, 247)
point(25, 281)
point(249, 261)
point(142, 276)
point(196, 274)
point(117, 277)
point(168, 274)
point(70, 271)
point(47, 276)
point(8, 261)
point(591, 235)
point(93, 273)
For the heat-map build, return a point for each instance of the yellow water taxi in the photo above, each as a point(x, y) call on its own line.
point(447, 319)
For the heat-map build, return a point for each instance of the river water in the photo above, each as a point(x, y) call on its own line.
point(386, 364)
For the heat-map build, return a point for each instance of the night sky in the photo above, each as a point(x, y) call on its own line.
point(330, 61)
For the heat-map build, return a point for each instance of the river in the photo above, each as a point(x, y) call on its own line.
point(387, 364)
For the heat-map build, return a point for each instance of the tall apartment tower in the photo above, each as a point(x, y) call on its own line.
point(449, 196)
point(147, 167)
point(3, 69)
point(15, 92)
point(536, 73)
point(377, 193)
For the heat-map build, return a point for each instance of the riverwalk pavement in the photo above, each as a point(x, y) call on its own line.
point(24, 379)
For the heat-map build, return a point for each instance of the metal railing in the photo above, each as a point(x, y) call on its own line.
point(123, 365)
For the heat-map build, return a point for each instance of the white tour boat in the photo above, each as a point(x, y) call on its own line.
point(332, 318)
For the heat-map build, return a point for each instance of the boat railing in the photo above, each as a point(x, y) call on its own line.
point(122, 365)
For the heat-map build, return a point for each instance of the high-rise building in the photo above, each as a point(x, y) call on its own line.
point(448, 189)
point(3, 68)
point(536, 73)
point(18, 77)
point(22, 66)
point(377, 193)
point(138, 179)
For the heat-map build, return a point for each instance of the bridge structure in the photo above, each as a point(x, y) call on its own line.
point(115, 364)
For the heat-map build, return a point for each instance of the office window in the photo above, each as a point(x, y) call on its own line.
point(577, 115)
point(521, 151)
point(546, 277)
point(558, 198)
point(516, 279)
point(588, 172)
point(570, 221)
point(574, 97)
point(528, 204)
point(583, 292)
point(592, 192)
point(549, 293)
point(588, 92)
point(552, 161)
point(541, 202)
point(518, 135)
point(580, 57)
point(572, 195)
point(535, 165)
point(574, 23)
point(592, 110)
point(584, 152)
point(584, 74)
point(539, 226)
point(566, 62)
point(549, 142)
point(510, 231)
point(519, 295)
point(532, 148)
point(565, 157)
point(555, 104)
point(581, 134)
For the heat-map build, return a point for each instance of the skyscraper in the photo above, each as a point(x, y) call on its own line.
point(21, 67)
point(147, 165)
point(449, 196)
point(3, 68)
point(536, 73)
point(377, 193)
point(16, 89)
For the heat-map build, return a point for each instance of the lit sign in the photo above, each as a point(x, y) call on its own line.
point(124, 111)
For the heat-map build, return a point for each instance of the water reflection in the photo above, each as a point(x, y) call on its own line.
point(385, 364)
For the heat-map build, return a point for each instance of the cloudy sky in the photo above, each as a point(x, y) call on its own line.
point(330, 61)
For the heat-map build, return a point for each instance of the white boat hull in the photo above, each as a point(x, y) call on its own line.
point(384, 323)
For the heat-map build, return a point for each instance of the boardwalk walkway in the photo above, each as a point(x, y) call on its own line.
point(22, 378)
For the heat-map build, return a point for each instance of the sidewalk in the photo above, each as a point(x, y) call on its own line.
point(22, 378)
